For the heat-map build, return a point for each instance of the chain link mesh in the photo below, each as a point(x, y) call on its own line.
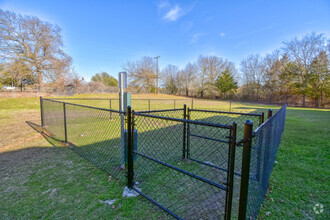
point(93, 133)
point(163, 140)
point(265, 144)
point(53, 117)
point(227, 118)
point(169, 153)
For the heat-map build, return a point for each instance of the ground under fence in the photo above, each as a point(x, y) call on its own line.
point(191, 163)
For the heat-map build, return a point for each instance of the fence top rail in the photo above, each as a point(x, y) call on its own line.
point(165, 99)
point(269, 119)
point(68, 98)
point(223, 112)
point(161, 110)
point(184, 120)
point(85, 106)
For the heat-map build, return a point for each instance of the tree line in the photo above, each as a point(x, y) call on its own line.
point(31, 52)
point(297, 70)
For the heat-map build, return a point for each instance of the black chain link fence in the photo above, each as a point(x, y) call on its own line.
point(265, 144)
point(163, 172)
point(94, 133)
point(189, 162)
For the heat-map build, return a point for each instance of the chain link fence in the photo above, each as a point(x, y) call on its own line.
point(265, 143)
point(94, 133)
point(191, 163)
point(164, 174)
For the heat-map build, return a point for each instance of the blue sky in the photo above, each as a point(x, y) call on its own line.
point(103, 35)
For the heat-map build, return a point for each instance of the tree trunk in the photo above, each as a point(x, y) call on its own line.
point(304, 100)
point(187, 92)
point(40, 80)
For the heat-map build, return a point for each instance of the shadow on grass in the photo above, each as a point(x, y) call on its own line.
point(164, 142)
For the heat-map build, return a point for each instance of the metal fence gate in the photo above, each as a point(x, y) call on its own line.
point(161, 169)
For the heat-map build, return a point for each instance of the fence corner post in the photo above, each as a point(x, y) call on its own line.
point(42, 112)
point(248, 126)
point(130, 174)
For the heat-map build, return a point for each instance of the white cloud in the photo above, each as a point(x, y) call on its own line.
point(222, 34)
point(195, 38)
point(173, 14)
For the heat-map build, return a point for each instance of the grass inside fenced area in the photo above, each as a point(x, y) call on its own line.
point(41, 178)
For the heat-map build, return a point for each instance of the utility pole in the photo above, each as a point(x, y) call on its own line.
point(157, 74)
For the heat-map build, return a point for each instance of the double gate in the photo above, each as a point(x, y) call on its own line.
point(183, 166)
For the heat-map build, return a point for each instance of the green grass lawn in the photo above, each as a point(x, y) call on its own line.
point(43, 179)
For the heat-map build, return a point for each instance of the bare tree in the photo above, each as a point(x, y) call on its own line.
point(141, 73)
point(202, 68)
point(208, 70)
point(303, 52)
point(189, 77)
point(272, 68)
point(252, 69)
point(35, 42)
point(170, 78)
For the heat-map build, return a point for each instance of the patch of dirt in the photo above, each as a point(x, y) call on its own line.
point(17, 132)
point(17, 94)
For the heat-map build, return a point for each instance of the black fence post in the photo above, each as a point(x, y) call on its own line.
point(184, 131)
point(261, 119)
point(269, 113)
point(248, 126)
point(42, 111)
point(130, 174)
point(110, 111)
point(65, 131)
point(188, 135)
point(231, 170)
point(267, 152)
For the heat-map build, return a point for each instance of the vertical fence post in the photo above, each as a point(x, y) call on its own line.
point(269, 113)
point(261, 118)
point(248, 126)
point(268, 131)
point(65, 131)
point(42, 111)
point(231, 170)
point(188, 135)
point(184, 131)
point(230, 104)
point(130, 174)
point(149, 104)
point(110, 111)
